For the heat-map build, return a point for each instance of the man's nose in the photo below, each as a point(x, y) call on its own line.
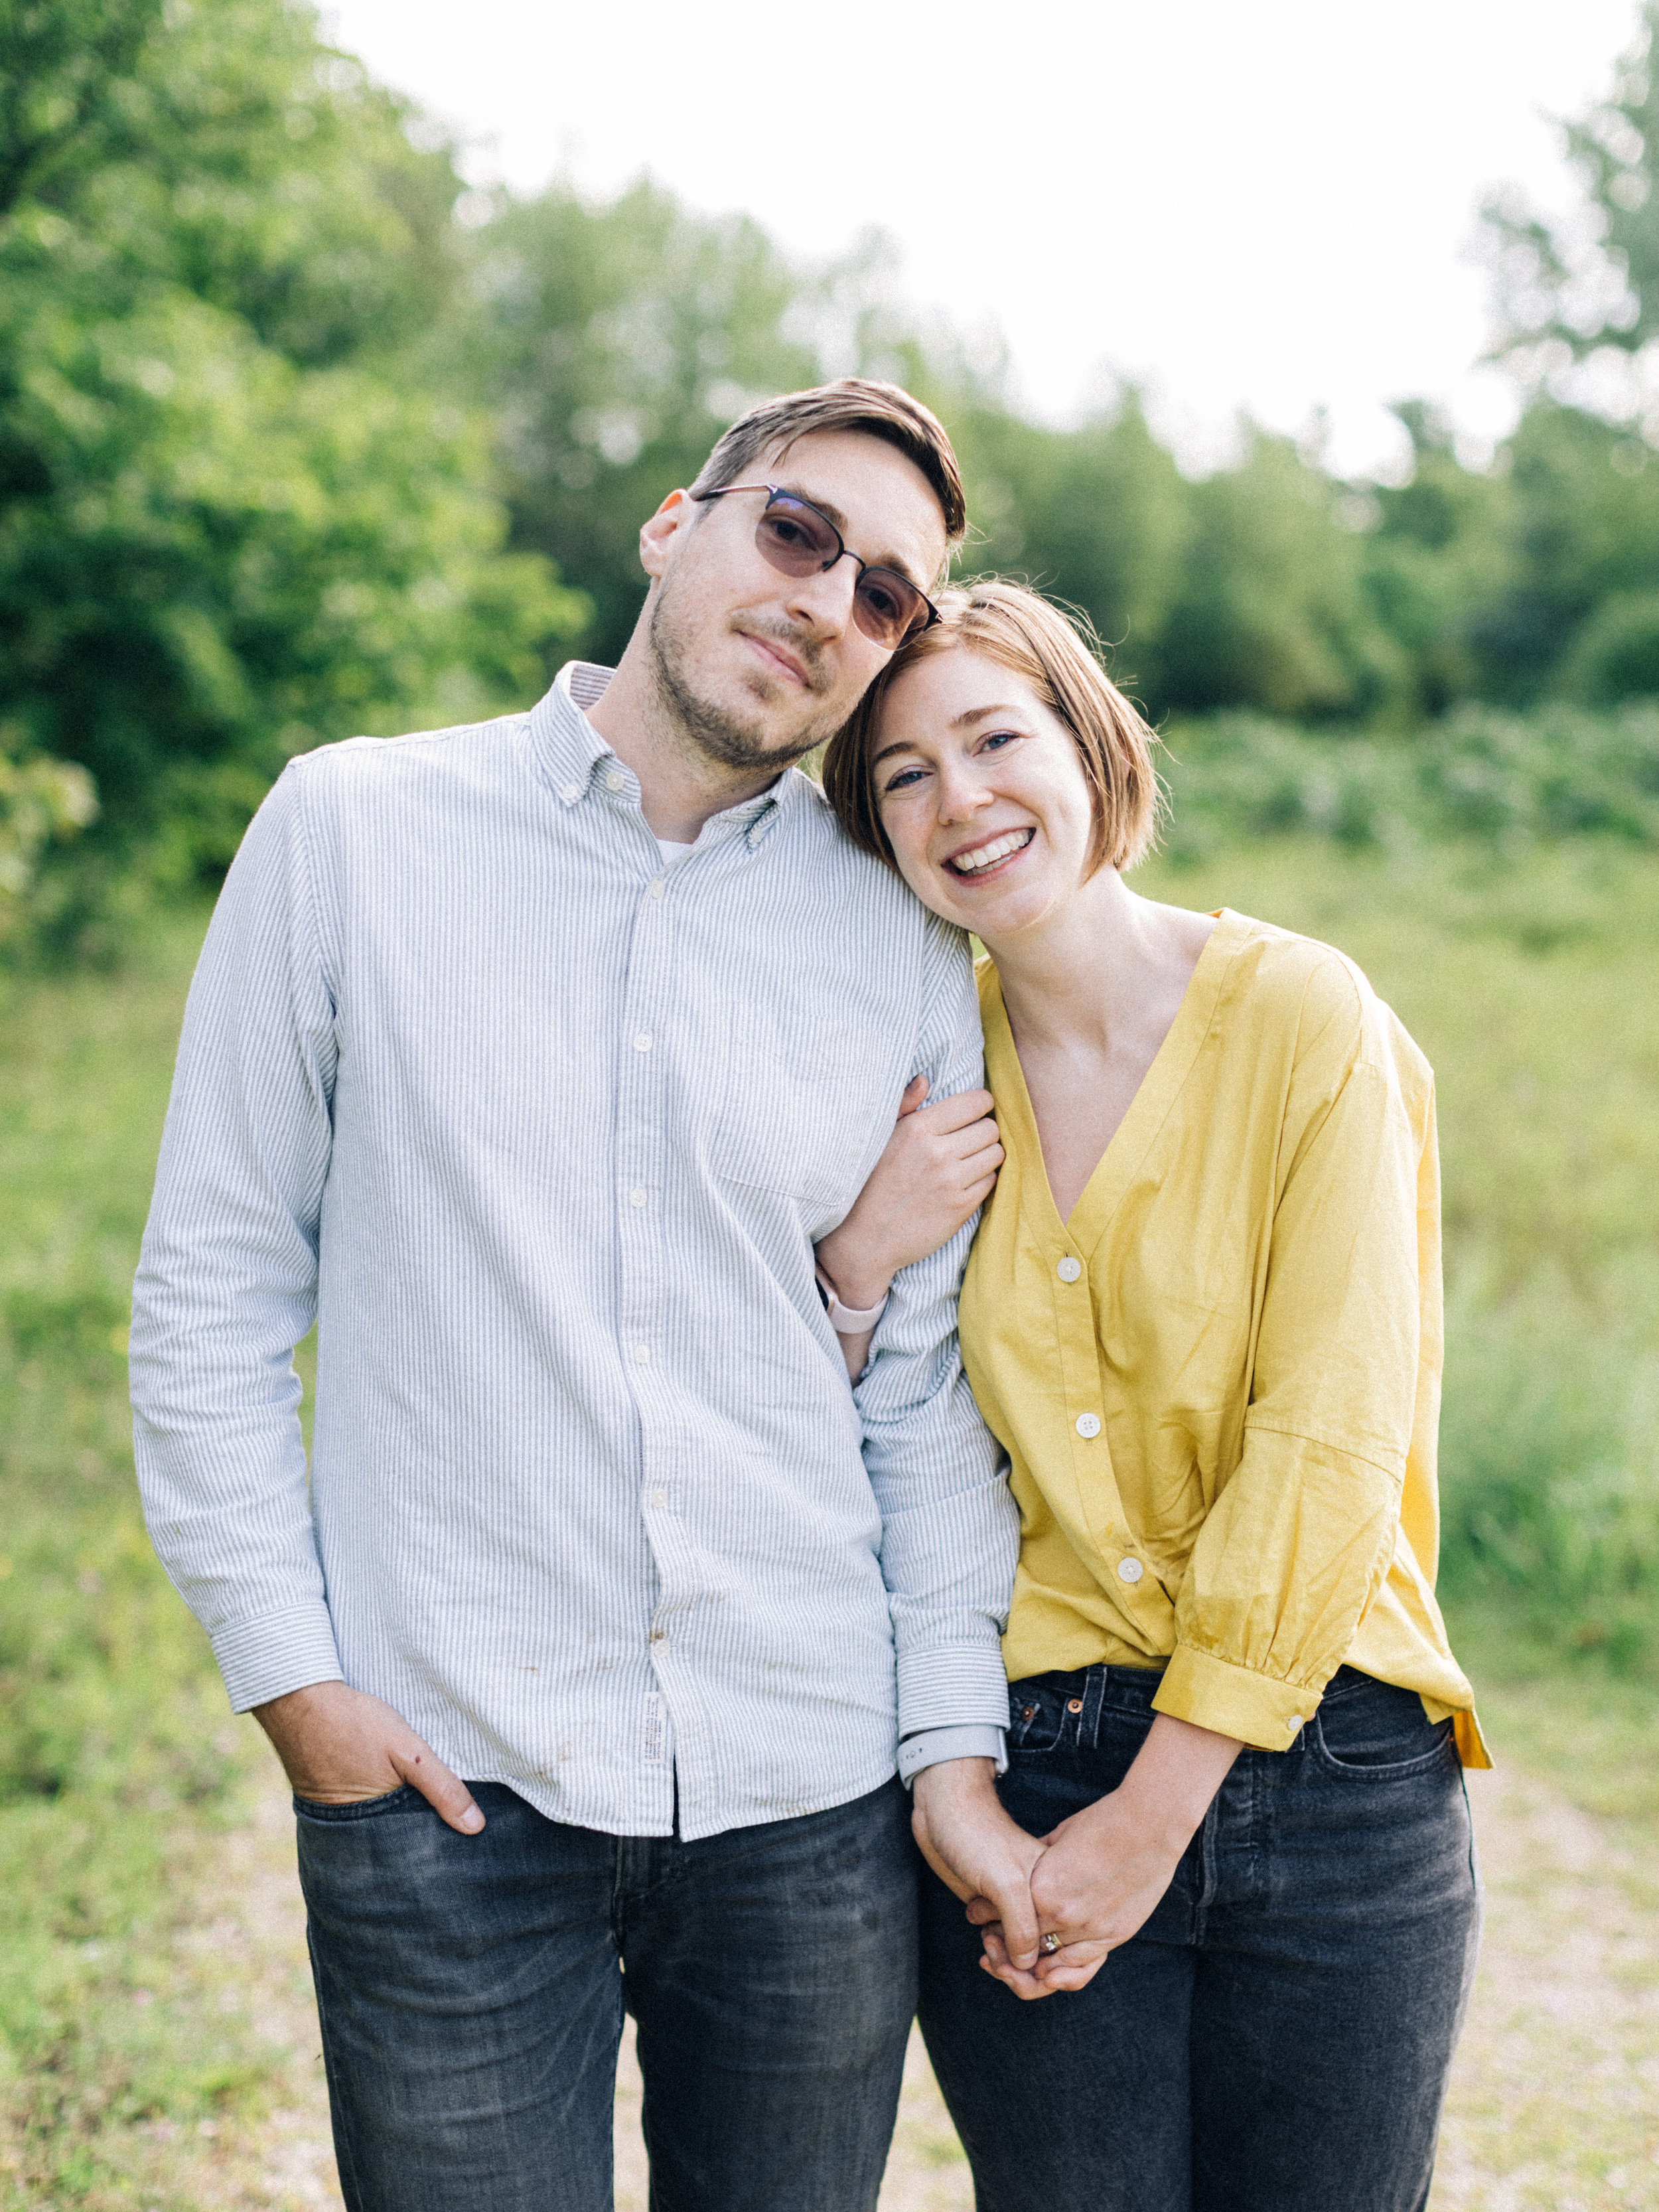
point(824, 599)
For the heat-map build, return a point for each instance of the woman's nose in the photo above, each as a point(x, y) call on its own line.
point(960, 796)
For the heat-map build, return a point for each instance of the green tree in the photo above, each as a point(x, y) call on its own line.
point(615, 343)
point(238, 516)
point(1272, 611)
point(1099, 516)
point(1568, 289)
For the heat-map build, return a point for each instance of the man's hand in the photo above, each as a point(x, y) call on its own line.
point(340, 1746)
point(977, 1851)
point(1104, 1870)
point(937, 1168)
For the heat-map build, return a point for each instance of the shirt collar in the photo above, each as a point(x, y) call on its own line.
point(572, 753)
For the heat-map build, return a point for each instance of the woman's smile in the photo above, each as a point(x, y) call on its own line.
point(978, 861)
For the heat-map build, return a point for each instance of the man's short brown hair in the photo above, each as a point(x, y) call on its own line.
point(851, 402)
point(1061, 659)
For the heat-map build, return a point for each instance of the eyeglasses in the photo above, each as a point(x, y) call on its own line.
point(796, 538)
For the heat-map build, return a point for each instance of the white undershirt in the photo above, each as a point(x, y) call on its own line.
point(671, 849)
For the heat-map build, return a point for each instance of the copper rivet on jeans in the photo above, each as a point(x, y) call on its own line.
point(1027, 1712)
point(1074, 1705)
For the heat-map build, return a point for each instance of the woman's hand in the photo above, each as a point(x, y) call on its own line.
point(1104, 1870)
point(937, 1168)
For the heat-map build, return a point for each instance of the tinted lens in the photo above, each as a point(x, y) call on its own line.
point(795, 537)
point(888, 607)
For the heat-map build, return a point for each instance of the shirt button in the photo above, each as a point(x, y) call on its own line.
point(642, 1355)
point(572, 790)
point(615, 781)
point(1069, 1269)
point(657, 887)
point(1129, 1571)
point(643, 1042)
point(636, 1198)
point(1294, 1723)
point(659, 1498)
point(1088, 1424)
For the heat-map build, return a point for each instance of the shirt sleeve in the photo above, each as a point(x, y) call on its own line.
point(949, 1526)
point(226, 1283)
point(1298, 1540)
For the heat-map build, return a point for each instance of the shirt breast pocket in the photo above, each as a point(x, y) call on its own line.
point(803, 1110)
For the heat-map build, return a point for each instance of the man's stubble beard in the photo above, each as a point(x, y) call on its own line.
point(718, 735)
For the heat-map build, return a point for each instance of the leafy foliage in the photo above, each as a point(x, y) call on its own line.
point(237, 516)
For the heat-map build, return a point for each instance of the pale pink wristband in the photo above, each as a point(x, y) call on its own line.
point(848, 1321)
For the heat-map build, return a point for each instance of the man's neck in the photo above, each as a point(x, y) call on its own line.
point(680, 786)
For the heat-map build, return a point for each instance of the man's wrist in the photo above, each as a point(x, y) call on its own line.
point(979, 1744)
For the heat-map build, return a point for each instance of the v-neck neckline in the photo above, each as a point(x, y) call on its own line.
point(1113, 1172)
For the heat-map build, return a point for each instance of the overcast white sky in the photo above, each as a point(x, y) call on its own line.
point(1259, 203)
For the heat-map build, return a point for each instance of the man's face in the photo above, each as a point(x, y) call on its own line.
point(759, 667)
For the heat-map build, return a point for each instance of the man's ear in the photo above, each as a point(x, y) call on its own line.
point(676, 514)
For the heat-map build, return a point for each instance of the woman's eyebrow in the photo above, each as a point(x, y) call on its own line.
point(957, 722)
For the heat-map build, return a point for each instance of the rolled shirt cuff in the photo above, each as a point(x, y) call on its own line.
point(1214, 1693)
point(980, 1739)
point(277, 1652)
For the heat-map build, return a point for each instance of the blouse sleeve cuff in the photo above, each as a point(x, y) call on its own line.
point(1213, 1693)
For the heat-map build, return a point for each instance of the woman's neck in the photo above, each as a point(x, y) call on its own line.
point(1075, 975)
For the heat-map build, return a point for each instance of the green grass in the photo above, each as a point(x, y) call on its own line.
point(117, 1751)
point(1530, 983)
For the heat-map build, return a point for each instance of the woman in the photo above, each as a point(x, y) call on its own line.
point(1202, 1315)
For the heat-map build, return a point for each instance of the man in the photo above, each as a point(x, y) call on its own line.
point(533, 1059)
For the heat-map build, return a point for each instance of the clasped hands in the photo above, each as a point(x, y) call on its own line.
point(1093, 1881)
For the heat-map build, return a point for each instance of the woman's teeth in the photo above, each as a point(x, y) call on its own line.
point(986, 856)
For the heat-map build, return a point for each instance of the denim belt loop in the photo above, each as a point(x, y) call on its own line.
point(1094, 1703)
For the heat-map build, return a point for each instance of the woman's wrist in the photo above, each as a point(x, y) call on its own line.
point(858, 1279)
point(1173, 1779)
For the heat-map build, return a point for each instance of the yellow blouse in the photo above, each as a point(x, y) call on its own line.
point(1218, 1382)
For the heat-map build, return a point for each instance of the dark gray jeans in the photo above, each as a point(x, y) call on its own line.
point(1277, 2038)
point(471, 1992)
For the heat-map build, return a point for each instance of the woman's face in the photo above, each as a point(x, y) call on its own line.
point(982, 793)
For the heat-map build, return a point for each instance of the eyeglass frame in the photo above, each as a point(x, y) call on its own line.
point(775, 492)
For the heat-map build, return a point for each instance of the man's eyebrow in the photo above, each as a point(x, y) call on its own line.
point(831, 512)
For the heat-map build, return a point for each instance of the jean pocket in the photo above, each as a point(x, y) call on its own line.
point(360, 1808)
point(1378, 1733)
point(1036, 1720)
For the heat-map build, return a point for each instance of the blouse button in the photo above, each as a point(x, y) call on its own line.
point(1069, 1269)
point(1088, 1424)
point(1129, 1571)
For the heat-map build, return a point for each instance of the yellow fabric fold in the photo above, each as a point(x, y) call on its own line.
point(1218, 1382)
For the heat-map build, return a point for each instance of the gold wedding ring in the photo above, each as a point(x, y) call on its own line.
point(1051, 1942)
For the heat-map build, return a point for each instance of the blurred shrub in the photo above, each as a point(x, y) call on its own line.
point(1480, 774)
point(42, 802)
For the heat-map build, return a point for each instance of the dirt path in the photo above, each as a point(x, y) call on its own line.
point(1555, 2104)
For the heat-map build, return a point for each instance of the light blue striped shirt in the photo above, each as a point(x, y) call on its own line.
point(541, 1130)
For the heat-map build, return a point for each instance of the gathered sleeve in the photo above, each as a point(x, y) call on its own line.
point(1345, 1382)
